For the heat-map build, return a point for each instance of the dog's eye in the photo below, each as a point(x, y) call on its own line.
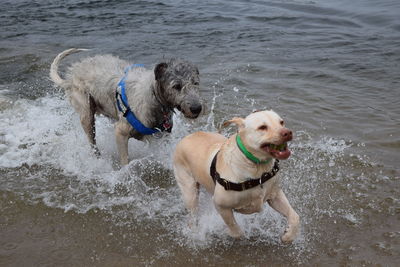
point(263, 127)
point(177, 87)
point(196, 83)
point(282, 123)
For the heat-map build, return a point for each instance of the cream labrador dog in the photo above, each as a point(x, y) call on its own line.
point(240, 171)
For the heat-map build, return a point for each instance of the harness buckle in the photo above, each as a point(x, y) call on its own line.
point(121, 105)
point(226, 185)
point(158, 134)
point(243, 186)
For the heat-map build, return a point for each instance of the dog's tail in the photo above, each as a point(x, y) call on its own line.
point(54, 66)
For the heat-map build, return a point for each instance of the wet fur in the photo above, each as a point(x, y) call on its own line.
point(192, 160)
point(91, 83)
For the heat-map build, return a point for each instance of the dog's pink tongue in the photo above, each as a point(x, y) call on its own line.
point(280, 154)
point(277, 153)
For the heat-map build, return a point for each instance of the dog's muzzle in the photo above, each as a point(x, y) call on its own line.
point(196, 109)
point(190, 109)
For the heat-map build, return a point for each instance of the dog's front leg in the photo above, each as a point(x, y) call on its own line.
point(281, 204)
point(122, 137)
point(229, 219)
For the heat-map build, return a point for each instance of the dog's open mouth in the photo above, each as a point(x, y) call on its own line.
point(277, 151)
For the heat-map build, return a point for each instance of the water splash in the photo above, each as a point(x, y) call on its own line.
point(44, 146)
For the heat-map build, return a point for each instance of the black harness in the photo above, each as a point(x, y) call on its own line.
point(243, 185)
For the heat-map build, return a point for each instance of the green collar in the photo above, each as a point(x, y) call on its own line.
point(247, 153)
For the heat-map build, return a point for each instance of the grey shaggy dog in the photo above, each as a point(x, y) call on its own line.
point(91, 85)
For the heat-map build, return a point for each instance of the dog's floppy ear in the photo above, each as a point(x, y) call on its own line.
point(236, 120)
point(159, 70)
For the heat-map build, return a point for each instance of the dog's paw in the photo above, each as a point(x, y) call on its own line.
point(291, 232)
point(288, 237)
point(237, 233)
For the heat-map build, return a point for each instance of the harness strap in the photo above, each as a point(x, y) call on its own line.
point(243, 185)
point(213, 169)
point(123, 106)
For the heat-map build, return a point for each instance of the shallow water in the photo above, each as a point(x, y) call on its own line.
point(331, 69)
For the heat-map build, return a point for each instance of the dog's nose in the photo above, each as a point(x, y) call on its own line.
point(286, 134)
point(195, 109)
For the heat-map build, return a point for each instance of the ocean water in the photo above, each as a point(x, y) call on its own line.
point(331, 69)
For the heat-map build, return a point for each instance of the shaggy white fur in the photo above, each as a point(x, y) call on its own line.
point(91, 85)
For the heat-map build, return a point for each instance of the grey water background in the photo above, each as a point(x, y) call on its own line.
point(331, 69)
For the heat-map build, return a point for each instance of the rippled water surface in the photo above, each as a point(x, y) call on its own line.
point(330, 68)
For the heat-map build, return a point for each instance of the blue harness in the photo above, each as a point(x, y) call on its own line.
point(123, 106)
